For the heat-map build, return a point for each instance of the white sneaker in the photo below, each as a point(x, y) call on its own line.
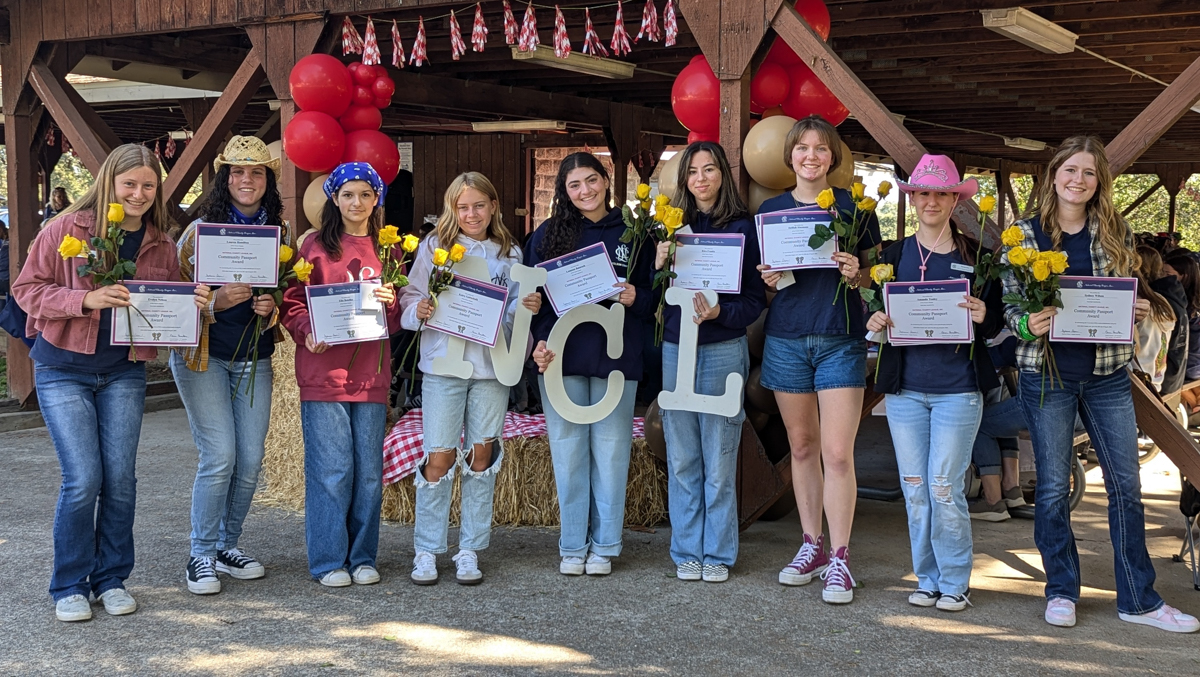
point(1061, 612)
point(468, 568)
point(117, 602)
point(954, 602)
point(365, 575)
point(571, 566)
point(1166, 617)
point(202, 576)
point(239, 565)
point(424, 569)
point(73, 608)
point(923, 597)
point(688, 571)
point(598, 565)
point(716, 573)
point(338, 578)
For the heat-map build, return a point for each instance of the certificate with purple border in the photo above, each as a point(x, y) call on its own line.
point(227, 254)
point(471, 310)
point(165, 315)
point(710, 261)
point(1095, 310)
point(928, 312)
point(579, 278)
point(783, 239)
point(335, 318)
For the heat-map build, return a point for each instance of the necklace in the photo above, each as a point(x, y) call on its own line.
point(936, 244)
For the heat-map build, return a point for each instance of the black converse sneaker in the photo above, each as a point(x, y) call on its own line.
point(239, 565)
point(202, 576)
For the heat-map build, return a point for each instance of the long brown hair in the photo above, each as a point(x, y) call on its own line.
point(332, 227)
point(123, 158)
point(1113, 232)
point(1149, 269)
point(728, 207)
point(448, 228)
point(1189, 277)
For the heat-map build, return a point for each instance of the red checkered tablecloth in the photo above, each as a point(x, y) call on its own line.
point(402, 448)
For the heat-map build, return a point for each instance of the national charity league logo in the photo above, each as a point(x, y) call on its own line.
point(622, 253)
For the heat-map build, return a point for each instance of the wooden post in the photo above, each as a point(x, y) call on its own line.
point(622, 137)
point(901, 204)
point(735, 122)
point(1141, 198)
point(23, 224)
point(1001, 198)
point(1173, 179)
point(1170, 105)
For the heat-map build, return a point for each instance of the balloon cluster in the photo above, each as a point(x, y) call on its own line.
point(339, 116)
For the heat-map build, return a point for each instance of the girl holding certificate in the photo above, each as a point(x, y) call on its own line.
point(1077, 216)
point(591, 462)
point(229, 422)
point(935, 392)
point(813, 358)
point(470, 218)
point(343, 400)
point(702, 448)
point(92, 392)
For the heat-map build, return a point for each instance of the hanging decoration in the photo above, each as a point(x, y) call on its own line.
point(591, 41)
point(529, 32)
point(670, 23)
point(397, 47)
point(562, 42)
point(649, 23)
point(66, 145)
point(169, 151)
point(479, 31)
point(511, 31)
point(457, 47)
point(158, 149)
point(351, 42)
point(370, 53)
point(417, 58)
point(620, 39)
point(49, 136)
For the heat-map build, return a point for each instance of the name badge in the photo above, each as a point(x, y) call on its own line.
point(962, 267)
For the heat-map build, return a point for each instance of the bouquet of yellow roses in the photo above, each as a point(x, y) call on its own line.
point(880, 273)
point(640, 223)
point(440, 278)
point(393, 266)
point(848, 228)
point(1038, 273)
point(667, 219)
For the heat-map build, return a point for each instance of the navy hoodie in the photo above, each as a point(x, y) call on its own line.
point(586, 353)
point(738, 311)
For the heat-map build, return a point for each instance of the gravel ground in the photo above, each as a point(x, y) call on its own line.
point(527, 619)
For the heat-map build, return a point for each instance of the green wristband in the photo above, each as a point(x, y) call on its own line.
point(1023, 328)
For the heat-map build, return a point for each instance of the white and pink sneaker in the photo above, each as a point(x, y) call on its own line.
point(1060, 612)
point(1166, 617)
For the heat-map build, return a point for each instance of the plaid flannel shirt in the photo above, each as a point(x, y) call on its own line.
point(1109, 356)
point(197, 358)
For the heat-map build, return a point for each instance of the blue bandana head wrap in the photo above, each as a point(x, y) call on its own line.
point(354, 171)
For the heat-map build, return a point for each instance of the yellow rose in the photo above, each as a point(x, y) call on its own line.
point(882, 273)
point(70, 247)
point(457, 252)
point(1041, 269)
point(1018, 256)
point(645, 205)
point(1059, 263)
point(410, 243)
point(987, 204)
point(643, 191)
point(116, 213)
point(867, 204)
point(302, 269)
point(884, 189)
point(1012, 236)
point(662, 200)
point(388, 236)
point(825, 199)
point(285, 253)
point(857, 191)
point(439, 256)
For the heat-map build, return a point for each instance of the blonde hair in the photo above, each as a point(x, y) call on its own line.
point(813, 123)
point(122, 159)
point(448, 228)
point(1149, 268)
point(1113, 232)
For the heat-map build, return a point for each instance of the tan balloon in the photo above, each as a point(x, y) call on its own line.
point(276, 148)
point(668, 177)
point(762, 153)
point(772, 112)
point(314, 200)
point(842, 175)
point(760, 194)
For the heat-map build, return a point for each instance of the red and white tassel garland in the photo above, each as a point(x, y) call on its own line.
point(49, 136)
point(591, 41)
point(670, 23)
point(529, 32)
point(158, 149)
point(620, 39)
point(417, 58)
point(170, 149)
point(649, 23)
point(397, 46)
point(370, 55)
point(351, 42)
point(562, 41)
point(479, 31)
point(457, 46)
point(511, 31)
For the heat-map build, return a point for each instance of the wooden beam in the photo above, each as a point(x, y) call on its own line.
point(1141, 198)
point(1161, 425)
point(90, 136)
point(1166, 109)
point(728, 32)
point(23, 224)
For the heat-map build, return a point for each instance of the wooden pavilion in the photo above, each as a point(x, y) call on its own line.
point(914, 75)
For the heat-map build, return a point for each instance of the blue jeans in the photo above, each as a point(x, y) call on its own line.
point(702, 459)
point(933, 435)
point(95, 421)
point(448, 407)
point(230, 436)
point(1003, 420)
point(591, 469)
point(1106, 406)
point(343, 483)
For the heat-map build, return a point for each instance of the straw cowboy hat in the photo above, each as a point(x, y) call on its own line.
point(938, 173)
point(245, 151)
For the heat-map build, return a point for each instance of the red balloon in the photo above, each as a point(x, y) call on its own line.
point(770, 85)
point(354, 67)
point(697, 58)
point(383, 88)
point(782, 54)
point(361, 117)
point(380, 71)
point(809, 96)
point(364, 75)
point(363, 96)
point(693, 137)
point(376, 149)
point(314, 141)
point(696, 98)
point(320, 83)
point(816, 14)
point(382, 103)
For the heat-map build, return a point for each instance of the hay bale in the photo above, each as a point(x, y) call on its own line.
point(282, 483)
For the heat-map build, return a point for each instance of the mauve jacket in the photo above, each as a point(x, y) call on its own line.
point(52, 292)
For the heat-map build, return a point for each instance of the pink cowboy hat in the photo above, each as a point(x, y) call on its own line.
point(938, 173)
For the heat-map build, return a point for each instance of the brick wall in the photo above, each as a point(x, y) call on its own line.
point(546, 161)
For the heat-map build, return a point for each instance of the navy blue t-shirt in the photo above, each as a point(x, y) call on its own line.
point(108, 358)
point(807, 307)
point(231, 324)
point(944, 368)
point(1075, 361)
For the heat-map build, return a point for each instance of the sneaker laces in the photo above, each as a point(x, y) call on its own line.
point(424, 560)
point(466, 559)
point(204, 567)
point(238, 557)
point(837, 574)
point(805, 557)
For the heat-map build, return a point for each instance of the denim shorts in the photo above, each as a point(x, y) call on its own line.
point(813, 363)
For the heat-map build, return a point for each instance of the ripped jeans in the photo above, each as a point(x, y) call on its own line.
point(451, 406)
point(933, 435)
